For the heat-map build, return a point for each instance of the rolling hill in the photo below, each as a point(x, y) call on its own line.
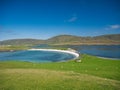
point(67, 39)
point(21, 42)
point(70, 39)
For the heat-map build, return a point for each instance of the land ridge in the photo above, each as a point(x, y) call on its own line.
point(111, 39)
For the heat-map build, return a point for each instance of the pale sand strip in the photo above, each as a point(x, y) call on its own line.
point(56, 50)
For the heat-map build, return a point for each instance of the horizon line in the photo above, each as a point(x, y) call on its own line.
point(58, 35)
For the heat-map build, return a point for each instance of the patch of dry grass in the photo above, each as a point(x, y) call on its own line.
point(41, 79)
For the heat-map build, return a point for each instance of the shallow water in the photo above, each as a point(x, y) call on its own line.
point(36, 56)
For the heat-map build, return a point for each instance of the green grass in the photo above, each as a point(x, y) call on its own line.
point(13, 47)
point(91, 74)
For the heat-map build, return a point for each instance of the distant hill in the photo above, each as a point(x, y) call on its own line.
point(63, 39)
point(67, 39)
point(115, 37)
point(21, 42)
point(70, 39)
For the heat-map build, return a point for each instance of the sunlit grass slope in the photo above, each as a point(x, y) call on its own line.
point(13, 47)
point(91, 74)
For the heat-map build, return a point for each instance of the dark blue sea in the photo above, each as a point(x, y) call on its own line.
point(106, 51)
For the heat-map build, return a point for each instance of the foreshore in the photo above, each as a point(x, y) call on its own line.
point(108, 58)
point(56, 50)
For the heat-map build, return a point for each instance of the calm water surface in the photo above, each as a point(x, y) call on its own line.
point(107, 51)
point(36, 56)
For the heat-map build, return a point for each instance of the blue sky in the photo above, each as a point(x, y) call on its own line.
point(42, 19)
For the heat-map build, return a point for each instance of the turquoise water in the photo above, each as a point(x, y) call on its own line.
point(36, 56)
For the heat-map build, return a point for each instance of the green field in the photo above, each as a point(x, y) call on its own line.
point(91, 74)
point(13, 47)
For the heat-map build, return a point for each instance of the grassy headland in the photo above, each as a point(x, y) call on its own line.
point(13, 47)
point(92, 73)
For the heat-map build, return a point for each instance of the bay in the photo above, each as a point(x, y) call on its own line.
point(36, 56)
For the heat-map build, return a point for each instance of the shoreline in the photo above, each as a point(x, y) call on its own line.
point(108, 58)
point(56, 50)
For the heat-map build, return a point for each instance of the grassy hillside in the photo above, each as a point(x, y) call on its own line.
point(91, 74)
point(64, 38)
point(67, 39)
point(110, 37)
point(21, 42)
point(13, 47)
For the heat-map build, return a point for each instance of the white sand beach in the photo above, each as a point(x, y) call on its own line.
point(56, 50)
